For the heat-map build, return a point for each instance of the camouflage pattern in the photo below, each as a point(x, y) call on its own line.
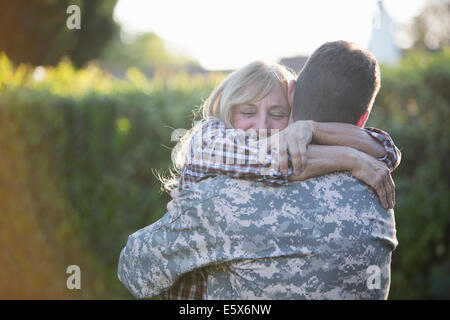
point(315, 239)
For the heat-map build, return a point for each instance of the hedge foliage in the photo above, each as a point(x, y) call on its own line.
point(86, 144)
point(77, 149)
point(414, 107)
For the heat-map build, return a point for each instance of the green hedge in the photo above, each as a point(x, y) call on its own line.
point(414, 107)
point(88, 144)
point(77, 149)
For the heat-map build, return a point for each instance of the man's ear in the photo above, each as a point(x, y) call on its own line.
point(291, 93)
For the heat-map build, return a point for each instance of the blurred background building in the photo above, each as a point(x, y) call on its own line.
point(382, 40)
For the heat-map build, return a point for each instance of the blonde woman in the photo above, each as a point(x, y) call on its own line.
point(246, 132)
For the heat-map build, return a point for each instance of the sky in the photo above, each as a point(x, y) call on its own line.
point(224, 35)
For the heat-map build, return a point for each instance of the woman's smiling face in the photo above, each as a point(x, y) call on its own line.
point(271, 112)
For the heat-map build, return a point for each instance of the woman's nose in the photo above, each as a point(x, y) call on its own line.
point(261, 123)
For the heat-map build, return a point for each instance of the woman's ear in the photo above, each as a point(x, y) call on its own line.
point(291, 93)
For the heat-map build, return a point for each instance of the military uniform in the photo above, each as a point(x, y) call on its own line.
point(324, 238)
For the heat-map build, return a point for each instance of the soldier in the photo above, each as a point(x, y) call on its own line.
point(255, 245)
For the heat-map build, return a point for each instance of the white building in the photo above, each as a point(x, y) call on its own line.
point(382, 41)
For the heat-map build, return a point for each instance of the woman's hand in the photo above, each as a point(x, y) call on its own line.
point(376, 174)
point(295, 139)
point(174, 194)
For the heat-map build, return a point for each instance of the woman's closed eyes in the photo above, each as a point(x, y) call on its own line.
point(277, 114)
point(248, 114)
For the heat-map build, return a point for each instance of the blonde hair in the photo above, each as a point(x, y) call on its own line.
point(245, 85)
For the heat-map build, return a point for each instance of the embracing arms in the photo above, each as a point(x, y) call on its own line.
point(296, 137)
point(230, 152)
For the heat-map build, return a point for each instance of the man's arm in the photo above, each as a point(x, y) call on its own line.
point(191, 236)
point(218, 220)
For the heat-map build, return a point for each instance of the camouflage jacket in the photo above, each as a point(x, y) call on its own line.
point(324, 238)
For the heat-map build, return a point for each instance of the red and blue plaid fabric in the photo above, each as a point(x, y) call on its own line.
point(218, 150)
point(393, 155)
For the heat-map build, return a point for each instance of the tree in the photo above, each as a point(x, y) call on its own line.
point(147, 52)
point(431, 28)
point(35, 31)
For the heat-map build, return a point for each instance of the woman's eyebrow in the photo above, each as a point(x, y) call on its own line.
point(272, 106)
point(279, 106)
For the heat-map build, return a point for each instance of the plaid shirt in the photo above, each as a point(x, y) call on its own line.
point(216, 150)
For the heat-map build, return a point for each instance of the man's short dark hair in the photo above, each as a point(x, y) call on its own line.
point(338, 84)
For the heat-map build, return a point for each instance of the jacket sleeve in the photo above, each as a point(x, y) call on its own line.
point(156, 256)
point(393, 155)
point(201, 230)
